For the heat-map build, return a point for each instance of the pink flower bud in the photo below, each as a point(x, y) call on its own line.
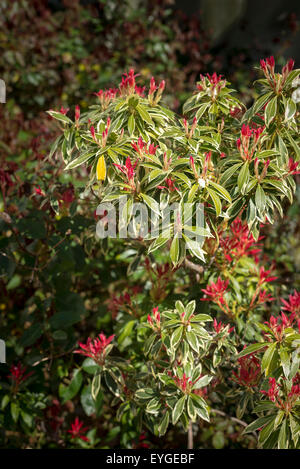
point(208, 157)
point(162, 85)
point(263, 65)
point(153, 86)
point(290, 65)
point(63, 110)
point(92, 130)
point(271, 62)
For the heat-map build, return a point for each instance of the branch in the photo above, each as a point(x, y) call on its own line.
point(190, 436)
point(196, 267)
point(241, 422)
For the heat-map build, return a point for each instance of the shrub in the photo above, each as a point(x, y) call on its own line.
point(239, 164)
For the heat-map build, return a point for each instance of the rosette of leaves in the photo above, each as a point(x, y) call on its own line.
point(159, 388)
point(279, 417)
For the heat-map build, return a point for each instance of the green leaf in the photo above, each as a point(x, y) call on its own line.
point(218, 440)
point(59, 116)
point(259, 423)
point(290, 109)
point(294, 428)
point(15, 411)
point(263, 406)
point(191, 409)
point(131, 124)
point(159, 242)
point(192, 193)
point(230, 172)
point(96, 385)
point(90, 405)
point(202, 110)
point(221, 190)
point(202, 382)
point(145, 393)
point(5, 401)
point(283, 442)
point(261, 101)
point(126, 330)
point(163, 424)
point(179, 307)
point(31, 335)
point(285, 360)
point(176, 337)
point(265, 433)
point(192, 340)
point(195, 248)
point(216, 201)
point(27, 418)
point(236, 207)
point(190, 309)
point(201, 318)
point(178, 409)
point(80, 160)
point(148, 343)
point(260, 199)
point(270, 111)
point(68, 392)
point(144, 114)
point(252, 348)
point(267, 358)
point(243, 176)
point(203, 413)
point(153, 406)
point(152, 204)
point(279, 417)
point(174, 250)
point(90, 366)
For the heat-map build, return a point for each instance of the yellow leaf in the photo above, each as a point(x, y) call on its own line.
point(101, 169)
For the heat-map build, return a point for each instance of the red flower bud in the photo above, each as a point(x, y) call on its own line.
point(77, 113)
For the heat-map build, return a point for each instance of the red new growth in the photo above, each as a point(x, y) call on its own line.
point(276, 81)
point(77, 114)
point(141, 147)
point(219, 327)
point(293, 304)
point(77, 430)
point(249, 372)
point(156, 318)
point(292, 167)
point(215, 291)
point(64, 110)
point(18, 374)
point(248, 141)
point(106, 96)
point(279, 324)
point(285, 404)
point(239, 242)
point(95, 348)
point(39, 191)
point(128, 170)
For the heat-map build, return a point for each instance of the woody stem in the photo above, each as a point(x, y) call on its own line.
point(190, 436)
point(191, 265)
